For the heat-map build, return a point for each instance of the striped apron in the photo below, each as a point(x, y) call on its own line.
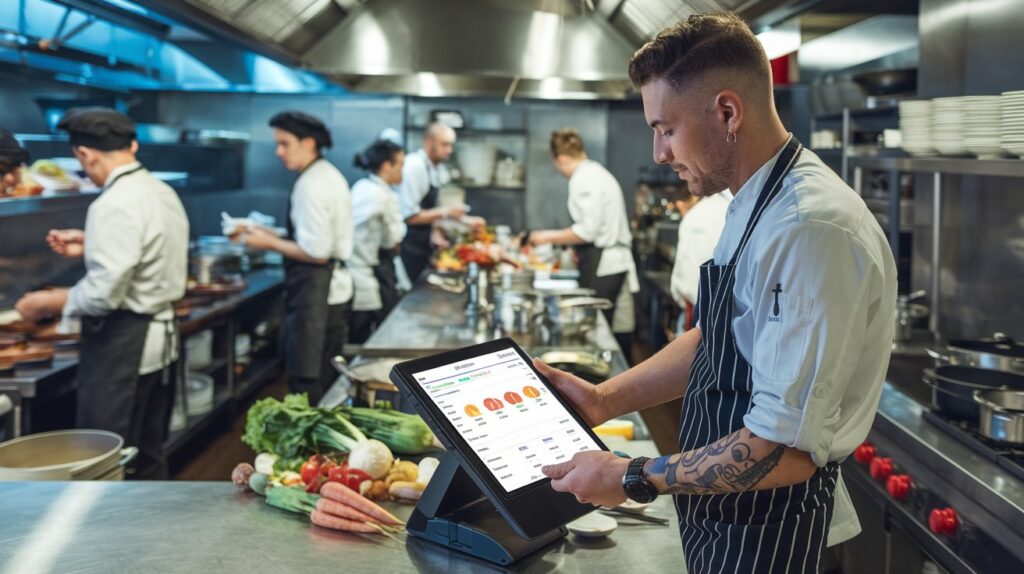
point(780, 530)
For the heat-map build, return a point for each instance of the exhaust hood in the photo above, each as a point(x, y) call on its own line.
point(459, 47)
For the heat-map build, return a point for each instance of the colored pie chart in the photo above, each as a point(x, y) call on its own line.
point(531, 392)
point(493, 404)
point(472, 410)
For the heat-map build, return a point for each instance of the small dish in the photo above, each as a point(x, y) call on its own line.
point(593, 525)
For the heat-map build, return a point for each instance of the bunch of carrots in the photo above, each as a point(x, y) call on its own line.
point(337, 506)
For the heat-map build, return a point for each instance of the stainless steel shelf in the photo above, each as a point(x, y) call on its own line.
point(945, 165)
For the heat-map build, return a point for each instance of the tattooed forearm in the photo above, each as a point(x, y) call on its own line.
point(735, 463)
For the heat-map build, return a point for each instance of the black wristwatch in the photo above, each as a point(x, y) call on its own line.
point(635, 484)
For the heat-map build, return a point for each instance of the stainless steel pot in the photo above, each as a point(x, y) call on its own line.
point(66, 455)
point(1000, 353)
point(953, 388)
point(1002, 415)
point(570, 317)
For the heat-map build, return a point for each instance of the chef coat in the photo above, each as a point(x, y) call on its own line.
point(419, 174)
point(598, 211)
point(322, 216)
point(698, 235)
point(136, 258)
point(814, 314)
point(378, 225)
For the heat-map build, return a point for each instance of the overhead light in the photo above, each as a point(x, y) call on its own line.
point(862, 42)
point(781, 40)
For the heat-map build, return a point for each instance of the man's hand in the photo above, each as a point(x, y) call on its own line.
point(39, 305)
point(67, 242)
point(438, 239)
point(474, 221)
point(456, 211)
point(586, 397)
point(258, 238)
point(539, 237)
point(593, 476)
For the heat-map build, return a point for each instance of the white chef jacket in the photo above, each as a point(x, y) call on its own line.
point(698, 235)
point(136, 258)
point(378, 225)
point(322, 215)
point(418, 175)
point(819, 363)
point(598, 211)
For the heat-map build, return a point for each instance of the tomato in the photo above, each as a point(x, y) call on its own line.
point(309, 471)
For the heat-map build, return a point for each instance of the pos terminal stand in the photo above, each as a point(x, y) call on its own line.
point(454, 512)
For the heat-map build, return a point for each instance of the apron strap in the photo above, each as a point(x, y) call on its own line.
point(771, 189)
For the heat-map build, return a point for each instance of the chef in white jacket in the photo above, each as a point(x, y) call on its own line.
point(379, 229)
point(698, 235)
point(599, 233)
point(135, 247)
point(317, 285)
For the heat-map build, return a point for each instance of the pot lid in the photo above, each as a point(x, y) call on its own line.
point(998, 344)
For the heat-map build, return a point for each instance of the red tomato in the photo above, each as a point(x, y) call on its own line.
point(314, 487)
point(327, 467)
point(337, 474)
point(309, 471)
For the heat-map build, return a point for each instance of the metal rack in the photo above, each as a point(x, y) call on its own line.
point(938, 167)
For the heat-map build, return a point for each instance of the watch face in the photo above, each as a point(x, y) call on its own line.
point(640, 490)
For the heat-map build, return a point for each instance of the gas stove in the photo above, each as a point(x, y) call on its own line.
point(1008, 457)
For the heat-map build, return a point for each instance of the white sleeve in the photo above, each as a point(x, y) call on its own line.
point(585, 209)
point(311, 215)
point(415, 186)
point(393, 221)
point(113, 249)
point(685, 271)
point(827, 288)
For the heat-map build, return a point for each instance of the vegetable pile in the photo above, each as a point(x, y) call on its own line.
point(330, 463)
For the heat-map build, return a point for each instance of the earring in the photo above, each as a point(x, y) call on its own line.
point(730, 137)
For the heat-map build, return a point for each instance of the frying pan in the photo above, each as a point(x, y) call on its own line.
point(887, 82)
point(953, 388)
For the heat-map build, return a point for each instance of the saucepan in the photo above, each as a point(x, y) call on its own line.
point(1002, 415)
point(66, 455)
point(953, 388)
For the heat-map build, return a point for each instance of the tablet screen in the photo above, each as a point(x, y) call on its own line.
point(513, 423)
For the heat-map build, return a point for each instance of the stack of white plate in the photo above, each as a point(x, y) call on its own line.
point(948, 125)
point(981, 126)
point(1012, 132)
point(915, 126)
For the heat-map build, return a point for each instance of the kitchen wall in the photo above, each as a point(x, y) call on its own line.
point(971, 47)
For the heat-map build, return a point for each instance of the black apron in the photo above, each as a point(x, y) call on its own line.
point(781, 530)
point(588, 258)
point(416, 246)
point(306, 287)
point(387, 281)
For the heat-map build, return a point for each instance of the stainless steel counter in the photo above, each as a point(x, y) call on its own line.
point(430, 320)
point(189, 527)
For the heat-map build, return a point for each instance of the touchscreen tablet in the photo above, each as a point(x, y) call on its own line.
point(506, 414)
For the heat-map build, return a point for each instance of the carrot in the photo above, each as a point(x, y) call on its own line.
point(328, 506)
point(338, 523)
point(347, 496)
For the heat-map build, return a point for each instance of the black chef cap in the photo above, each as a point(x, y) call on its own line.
point(101, 129)
point(11, 153)
point(303, 125)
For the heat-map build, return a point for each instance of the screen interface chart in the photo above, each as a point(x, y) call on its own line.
point(506, 415)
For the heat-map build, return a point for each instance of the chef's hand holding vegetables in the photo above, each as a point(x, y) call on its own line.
point(333, 463)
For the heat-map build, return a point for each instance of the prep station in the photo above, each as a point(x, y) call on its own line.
point(469, 122)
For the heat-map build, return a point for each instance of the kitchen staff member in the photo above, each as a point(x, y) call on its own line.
point(600, 231)
point(698, 235)
point(135, 246)
point(317, 286)
point(12, 158)
point(379, 229)
point(782, 377)
point(422, 177)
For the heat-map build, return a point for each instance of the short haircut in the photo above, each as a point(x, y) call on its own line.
point(682, 54)
point(302, 126)
point(568, 142)
point(436, 129)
